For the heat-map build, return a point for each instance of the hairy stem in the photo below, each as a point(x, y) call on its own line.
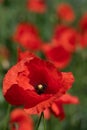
point(38, 123)
point(6, 118)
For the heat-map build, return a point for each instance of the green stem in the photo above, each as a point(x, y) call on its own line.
point(6, 118)
point(38, 123)
point(44, 122)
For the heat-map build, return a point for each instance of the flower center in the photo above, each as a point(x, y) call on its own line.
point(40, 88)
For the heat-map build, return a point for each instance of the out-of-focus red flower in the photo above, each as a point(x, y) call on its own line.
point(19, 120)
point(65, 12)
point(83, 22)
point(27, 35)
point(65, 36)
point(35, 84)
point(82, 35)
point(38, 6)
point(82, 39)
point(57, 107)
point(58, 55)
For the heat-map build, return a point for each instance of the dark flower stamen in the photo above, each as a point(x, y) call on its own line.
point(40, 88)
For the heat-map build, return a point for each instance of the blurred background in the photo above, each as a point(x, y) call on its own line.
point(13, 12)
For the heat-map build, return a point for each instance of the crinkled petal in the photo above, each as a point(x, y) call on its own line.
point(68, 99)
point(58, 111)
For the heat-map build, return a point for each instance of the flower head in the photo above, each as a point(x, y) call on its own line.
point(35, 84)
point(27, 36)
point(20, 120)
point(37, 6)
point(66, 37)
point(58, 55)
point(65, 12)
point(83, 22)
point(82, 39)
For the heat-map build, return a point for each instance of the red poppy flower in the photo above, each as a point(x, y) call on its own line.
point(57, 106)
point(27, 36)
point(83, 22)
point(35, 84)
point(65, 12)
point(65, 36)
point(58, 55)
point(19, 120)
point(37, 6)
point(82, 39)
